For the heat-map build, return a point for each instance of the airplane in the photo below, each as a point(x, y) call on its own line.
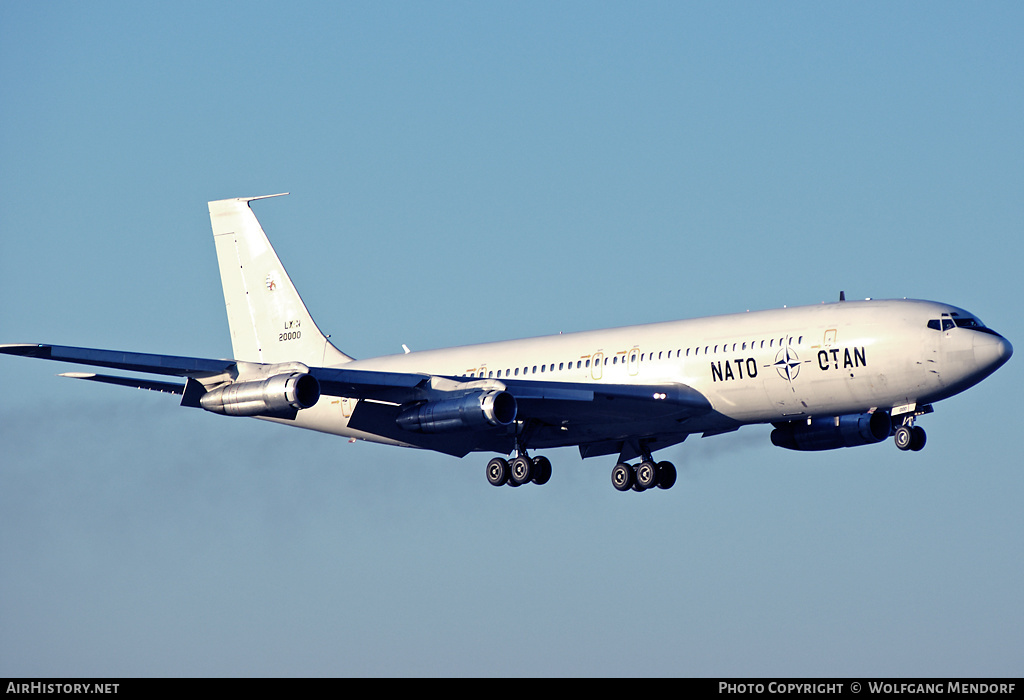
point(832, 375)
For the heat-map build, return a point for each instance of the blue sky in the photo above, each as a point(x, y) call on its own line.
point(465, 172)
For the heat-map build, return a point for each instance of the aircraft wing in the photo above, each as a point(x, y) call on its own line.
point(562, 413)
point(599, 418)
point(384, 386)
point(168, 365)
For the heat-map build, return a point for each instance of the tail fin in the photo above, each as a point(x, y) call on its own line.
point(268, 321)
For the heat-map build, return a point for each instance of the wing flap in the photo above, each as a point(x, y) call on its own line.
point(566, 403)
point(395, 387)
point(148, 384)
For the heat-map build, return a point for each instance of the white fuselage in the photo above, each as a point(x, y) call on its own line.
point(755, 367)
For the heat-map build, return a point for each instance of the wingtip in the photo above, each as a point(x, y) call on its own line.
point(24, 349)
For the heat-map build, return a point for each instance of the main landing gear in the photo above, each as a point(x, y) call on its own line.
point(521, 470)
point(645, 475)
point(648, 474)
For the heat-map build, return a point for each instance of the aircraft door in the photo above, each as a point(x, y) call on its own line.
point(633, 360)
point(597, 366)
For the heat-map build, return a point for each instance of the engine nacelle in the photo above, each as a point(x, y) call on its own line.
point(478, 409)
point(832, 433)
point(281, 395)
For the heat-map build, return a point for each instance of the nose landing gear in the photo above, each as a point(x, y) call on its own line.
point(908, 436)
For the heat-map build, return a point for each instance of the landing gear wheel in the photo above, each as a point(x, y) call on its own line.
point(904, 437)
point(541, 470)
point(521, 469)
point(622, 477)
point(646, 475)
point(917, 438)
point(497, 471)
point(666, 475)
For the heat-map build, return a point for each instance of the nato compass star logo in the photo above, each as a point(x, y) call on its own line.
point(787, 363)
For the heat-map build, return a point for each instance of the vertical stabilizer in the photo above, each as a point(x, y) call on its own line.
point(268, 321)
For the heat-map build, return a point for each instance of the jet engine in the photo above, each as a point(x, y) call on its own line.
point(833, 432)
point(280, 395)
point(478, 409)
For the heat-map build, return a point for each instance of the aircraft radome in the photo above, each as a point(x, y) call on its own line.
point(826, 376)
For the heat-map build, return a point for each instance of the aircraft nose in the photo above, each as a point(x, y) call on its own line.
point(991, 351)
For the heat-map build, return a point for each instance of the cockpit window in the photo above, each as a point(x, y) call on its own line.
point(954, 320)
